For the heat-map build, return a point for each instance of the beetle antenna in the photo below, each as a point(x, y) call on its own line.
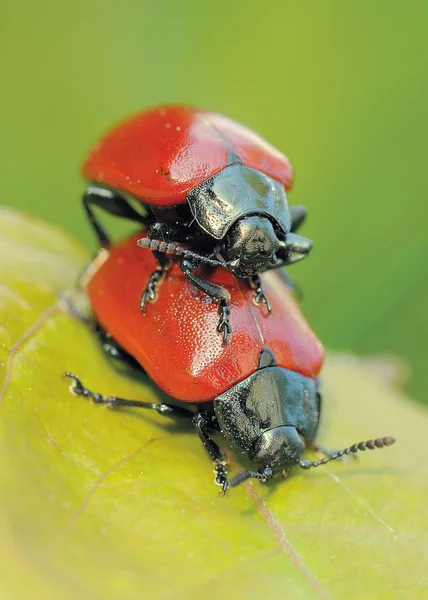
point(173, 248)
point(370, 445)
point(241, 477)
point(161, 246)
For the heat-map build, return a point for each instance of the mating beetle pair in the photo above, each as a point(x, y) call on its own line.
point(260, 390)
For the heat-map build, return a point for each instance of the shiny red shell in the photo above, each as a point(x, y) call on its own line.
point(161, 154)
point(175, 338)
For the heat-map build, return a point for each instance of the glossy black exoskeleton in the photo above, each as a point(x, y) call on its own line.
point(272, 416)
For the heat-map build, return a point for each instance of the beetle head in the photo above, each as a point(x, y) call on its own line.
point(251, 245)
point(280, 448)
point(272, 415)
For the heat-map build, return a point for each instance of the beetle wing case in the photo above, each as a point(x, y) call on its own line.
point(159, 155)
point(175, 339)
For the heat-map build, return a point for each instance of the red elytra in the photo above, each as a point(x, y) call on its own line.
point(161, 154)
point(175, 338)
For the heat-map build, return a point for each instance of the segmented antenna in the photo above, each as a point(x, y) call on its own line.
point(177, 250)
point(369, 445)
point(167, 247)
point(307, 464)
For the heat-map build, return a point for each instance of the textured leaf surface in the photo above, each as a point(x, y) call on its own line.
point(100, 504)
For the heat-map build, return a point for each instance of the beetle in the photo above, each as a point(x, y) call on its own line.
point(201, 179)
point(261, 391)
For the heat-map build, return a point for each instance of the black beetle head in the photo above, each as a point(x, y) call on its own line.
point(251, 245)
point(271, 415)
point(281, 448)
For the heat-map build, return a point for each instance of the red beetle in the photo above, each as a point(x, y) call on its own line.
point(202, 180)
point(260, 390)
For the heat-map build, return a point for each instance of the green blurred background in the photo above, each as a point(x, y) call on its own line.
point(340, 87)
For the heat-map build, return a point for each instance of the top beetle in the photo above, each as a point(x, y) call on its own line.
point(202, 180)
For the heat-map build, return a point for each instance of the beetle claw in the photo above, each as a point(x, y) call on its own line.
point(259, 294)
point(149, 295)
point(76, 386)
point(261, 298)
point(224, 325)
point(221, 477)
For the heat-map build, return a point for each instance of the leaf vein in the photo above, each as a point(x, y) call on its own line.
point(102, 478)
point(44, 316)
point(284, 544)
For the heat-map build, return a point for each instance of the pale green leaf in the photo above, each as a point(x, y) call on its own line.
point(101, 504)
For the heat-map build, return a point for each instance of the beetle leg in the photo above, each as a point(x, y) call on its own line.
point(112, 203)
point(298, 216)
point(259, 295)
point(149, 294)
point(214, 252)
point(79, 389)
point(69, 302)
point(294, 248)
point(200, 421)
point(115, 350)
point(224, 325)
point(216, 292)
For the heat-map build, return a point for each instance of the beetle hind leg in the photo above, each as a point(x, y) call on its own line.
point(70, 302)
point(115, 350)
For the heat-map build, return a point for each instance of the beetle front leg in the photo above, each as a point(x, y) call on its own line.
point(259, 294)
point(294, 248)
point(224, 325)
point(200, 421)
point(216, 292)
point(298, 216)
point(149, 294)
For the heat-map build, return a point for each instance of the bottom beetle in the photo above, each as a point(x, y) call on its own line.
point(260, 390)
